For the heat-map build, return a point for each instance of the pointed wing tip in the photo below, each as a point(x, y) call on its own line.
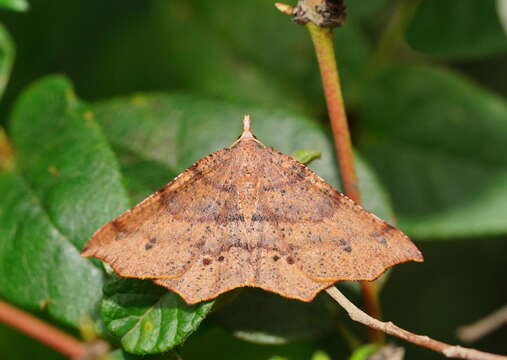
point(87, 251)
point(87, 254)
point(417, 255)
point(418, 258)
point(91, 250)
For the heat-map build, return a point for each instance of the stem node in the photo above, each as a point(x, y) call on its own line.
point(323, 13)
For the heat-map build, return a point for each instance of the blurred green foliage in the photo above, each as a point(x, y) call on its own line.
point(167, 82)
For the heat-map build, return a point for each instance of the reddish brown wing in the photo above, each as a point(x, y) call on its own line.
point(249, 216)
point(329, 236)
point(194, 238)
point(164, 234)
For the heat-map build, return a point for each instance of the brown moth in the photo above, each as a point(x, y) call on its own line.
point(248, 215)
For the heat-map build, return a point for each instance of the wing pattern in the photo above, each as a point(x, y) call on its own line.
point(249, 216)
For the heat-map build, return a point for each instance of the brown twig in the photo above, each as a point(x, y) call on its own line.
point(48, 335)
point(450, 351)
point(484, 326)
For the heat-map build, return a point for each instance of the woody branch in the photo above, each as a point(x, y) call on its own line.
point(450, 351)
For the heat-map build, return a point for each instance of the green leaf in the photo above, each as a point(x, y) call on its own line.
point(148, 318)
point(176, 130)
point(457, 29)
point(281, 49)
point(268, 59)
point(16, 5)
point(363, 352)
point(142, 176)
point(438, 144)
point(6, 58)
point(320, 355)
point(267, 322)
point(305, 156)
point(66, 185)
point(197, 59)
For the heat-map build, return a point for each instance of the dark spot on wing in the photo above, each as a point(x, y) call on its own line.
point(196, 171)
point(229, 218)
point(276, 258)
point(200, 244)
point(379, 236)
point(345, 245)
point(206, 261)
point(220, 258)
point(118, 225)
point(238, 217)
point(290, 260)
point(120, 236)
point(228, 188)
point(387, 228)
point(258, 217)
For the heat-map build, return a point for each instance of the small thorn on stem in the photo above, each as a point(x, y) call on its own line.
point(247, 131)
point(284, 8)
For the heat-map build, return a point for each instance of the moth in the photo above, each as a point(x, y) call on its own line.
point(248, 215)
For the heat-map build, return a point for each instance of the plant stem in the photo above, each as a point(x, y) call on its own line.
point(371, 303)
point(450, 351)
point(323, 43)
point(46, 334)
